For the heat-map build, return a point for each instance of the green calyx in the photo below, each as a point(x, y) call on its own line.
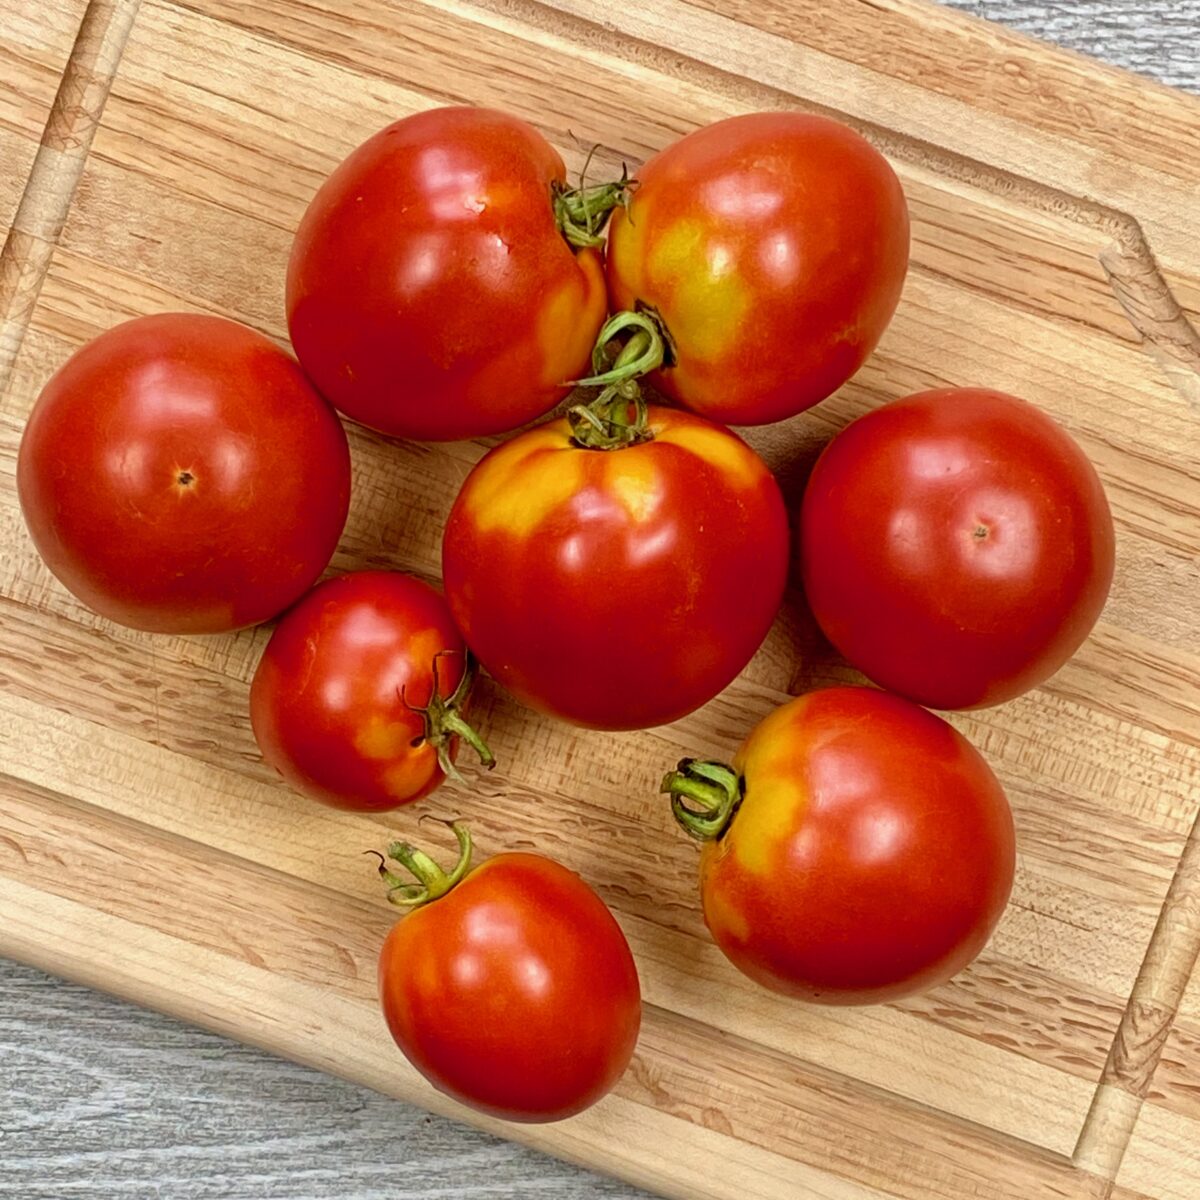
point(429, 880)
point(618, 417)
point(444, 720)
point(704, 797)
point(581, 213)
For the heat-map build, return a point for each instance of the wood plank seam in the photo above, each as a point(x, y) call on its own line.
point(66, 877)
point(1133, 1057)
point(57, 167)
point(1154, 1001)
point(1129, 263)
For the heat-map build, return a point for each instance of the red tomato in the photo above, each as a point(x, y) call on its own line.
point(617, 589)
point(431, 293)
point(179, 474)
point(515, 992)
point(773, 248)
point(869, 854)
point(357, 698)
point(956, 546)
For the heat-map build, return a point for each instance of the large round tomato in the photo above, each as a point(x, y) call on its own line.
point(431, 293)
point(772, 247)
point(956, 546)
point(358, 697)
point(511, 988)
point(869, 854)
point(179, 474)
point(622, 588)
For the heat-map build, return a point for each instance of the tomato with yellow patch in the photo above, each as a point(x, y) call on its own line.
point(351, 699)
point(773, 248)
point(623, 588)
point(432, 292)
point(858, 849)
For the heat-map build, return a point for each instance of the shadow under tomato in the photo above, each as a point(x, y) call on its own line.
point(816, 663)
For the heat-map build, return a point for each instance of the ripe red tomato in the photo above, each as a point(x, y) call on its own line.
point(956, 546)
point(180, 475)
point(358, 697)
point(511, 988)
point(773, 248)
point(869, 854)
point(431, 292)
point(617, 589)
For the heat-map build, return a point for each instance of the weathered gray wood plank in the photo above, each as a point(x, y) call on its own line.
point(1159, 38)
point(101, 1100)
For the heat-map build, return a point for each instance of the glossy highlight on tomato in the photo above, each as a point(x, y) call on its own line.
point(623, 588)
point(359, 697)
point(773, 248)
point(956, 546)
point(179, 474)
point(510, 987)
point(431, 293)
point(857, 850)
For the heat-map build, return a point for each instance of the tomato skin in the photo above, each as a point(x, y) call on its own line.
point(330, 702)
point(774, 247)
point(617, 589)
point(515, 993)
point(871, 857)
point(430, 294)
point(956, 546)
point(179, 474)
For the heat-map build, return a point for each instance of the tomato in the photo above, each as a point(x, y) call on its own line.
point(510, 987)
point(179, 474)
point(358, 697)
point(772, 248)
point(432, 291)
point(858, 849)
point(956, 546)
point(618, 588)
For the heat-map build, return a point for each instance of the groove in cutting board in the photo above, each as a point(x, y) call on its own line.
point(1153, 1005)
point(50, 187)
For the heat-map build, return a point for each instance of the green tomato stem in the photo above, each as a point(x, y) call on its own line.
point(618, 417)
point(582, 212)
point(704, 797)
point(645, 351)
point(444, 720)
point(431, 881)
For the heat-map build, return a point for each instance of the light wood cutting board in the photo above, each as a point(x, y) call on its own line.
point(144, 847)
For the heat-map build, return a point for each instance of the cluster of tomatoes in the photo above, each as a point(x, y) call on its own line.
point(616, 567)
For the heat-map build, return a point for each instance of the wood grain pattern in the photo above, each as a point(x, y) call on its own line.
point(1154, 37)
point(176, 1111)
point(1049, 258)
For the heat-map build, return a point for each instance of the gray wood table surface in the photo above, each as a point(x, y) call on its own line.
point(102, 1100)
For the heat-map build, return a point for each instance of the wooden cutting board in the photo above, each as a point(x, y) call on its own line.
point(144, 847)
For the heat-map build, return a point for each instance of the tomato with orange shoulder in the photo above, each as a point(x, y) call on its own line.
point(617, 568)
point(856, 850)
point(359, 699)
point(445, 281)
point(770, 249)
